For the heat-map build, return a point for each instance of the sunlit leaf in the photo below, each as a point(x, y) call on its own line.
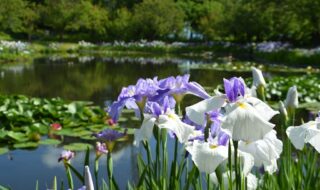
point(3, 150)
point(26, 145)
point(77, 146)
point(50, 142)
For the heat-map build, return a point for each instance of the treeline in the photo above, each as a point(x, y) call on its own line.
point(296, 21)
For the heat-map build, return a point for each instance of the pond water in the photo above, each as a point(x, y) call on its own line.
point(96, 79)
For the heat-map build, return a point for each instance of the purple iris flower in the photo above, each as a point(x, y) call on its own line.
point(199, 137)
point(101, 148)
point(223, 138)
point(179, 86)
point(234, 87)
point(134, 97)
point(215, 117)
point(159, 108)
point(196, 126)
point(66, 155)
point(110, 135)
point(216, 132)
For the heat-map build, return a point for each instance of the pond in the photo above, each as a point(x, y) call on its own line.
point(99, 79)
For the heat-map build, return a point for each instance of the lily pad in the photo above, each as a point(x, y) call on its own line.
point(3, 150)
point(17, 136)
point(26, 145)
point(50, 142)
point(88, 137)
point(68, 132)
point(97, 128)
point(77, 146)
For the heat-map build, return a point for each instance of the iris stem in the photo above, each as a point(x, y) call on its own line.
point(237, 171)
point(164, 156)
point(149, 158)
point(96, 170)
point(110, 172)
point(69, 175)
point(230, 164)
point(174, 165)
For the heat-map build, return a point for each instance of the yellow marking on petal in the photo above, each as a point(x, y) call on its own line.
point(212, 146)
point(242, 105)
point(172, 116)
point(131, 92)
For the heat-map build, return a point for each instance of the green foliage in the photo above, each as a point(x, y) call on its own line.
point(154, 19)
point(307, 86)
point(25, 120)
point(17, 16)
point(296, 21)
point(120, 27)
point(76, 16)
point(209, 24)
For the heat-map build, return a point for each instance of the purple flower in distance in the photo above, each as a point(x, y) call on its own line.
point(178, 87)
point(134, 97)
point(66, 155)
point(101, 148)
point(110, 135)
point(234, 87)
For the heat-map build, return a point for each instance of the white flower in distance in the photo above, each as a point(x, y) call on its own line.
point(292, 98)
point(163, 117)
point(258, 77)
point(265, 151)
point(88, 179)
point(283, 109)
point(305, 133)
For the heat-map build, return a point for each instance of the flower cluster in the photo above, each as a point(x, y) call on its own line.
point(85, 44)
point(14, 46)
point(271, 46)
point(243, 120)
point(154, 101)
point(235, 117)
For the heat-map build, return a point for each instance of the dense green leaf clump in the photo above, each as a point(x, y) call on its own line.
point(296, 21)
point(27, 122)
point(307, 85)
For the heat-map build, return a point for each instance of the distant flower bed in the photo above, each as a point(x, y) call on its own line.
point(14, 47)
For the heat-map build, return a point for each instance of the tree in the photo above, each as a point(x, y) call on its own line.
point(88, 18)
point(154, 19)
point(120, 28)
point(56, 14)
point(30, 19)
point(210, 23)
point(74, 16)
point(18, 16)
